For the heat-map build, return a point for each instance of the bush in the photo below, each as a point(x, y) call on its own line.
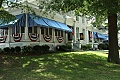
point(17, 49)
point(12, 49)
point(6, 50)
point(103, 46)
point(63, 48)
point(86, 47)
point(27, 50)
point(37, 49)
point(45, 48)
point(1, 51)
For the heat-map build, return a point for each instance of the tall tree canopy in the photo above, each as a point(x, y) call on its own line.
point(100, 8)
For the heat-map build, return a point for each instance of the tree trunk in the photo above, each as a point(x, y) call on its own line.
point(113, 55)
point(1, 1)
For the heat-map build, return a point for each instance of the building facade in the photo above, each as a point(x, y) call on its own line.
point(59, 29)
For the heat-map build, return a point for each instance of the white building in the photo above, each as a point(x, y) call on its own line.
point(53, 31)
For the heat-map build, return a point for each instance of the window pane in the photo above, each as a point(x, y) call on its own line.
point(55, 32)
point(50, 31)
point(58, 33)
point(62, 33)
point(30, 30)
point(6, 31)
point(13, 30)
point(17, 29)
point(46, 30)
point(35, 29)
point(22, 29)
point(42, 30)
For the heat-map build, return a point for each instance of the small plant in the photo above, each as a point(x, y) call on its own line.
point(12, 49)
point(37, 49)
point(86, 47)
point(17, 49)
point(6, 50)
point(27, 50)
point(1, 51)
point(45, 48)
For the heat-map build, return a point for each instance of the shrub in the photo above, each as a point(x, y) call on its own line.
point(12, 49)
point(37, 49)
point(6, 50)
point(45, 48)
point(17, 49)
point(86, 47)
point(1, 51)
point(27, 50)
point(103, 46)
point(63, 48)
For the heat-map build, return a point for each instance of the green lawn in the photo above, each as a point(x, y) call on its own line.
point(59, 66)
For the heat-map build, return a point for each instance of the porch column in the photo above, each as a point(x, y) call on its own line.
point(66, 36)
point(9, 35)
point(92, 40)
point(74, 32)
point(87, 36)
point(53, 31)
point(39, 32)
point(26, 28)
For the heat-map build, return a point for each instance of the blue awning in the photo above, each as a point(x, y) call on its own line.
point(37, 20)
point(101, 36)
point(94, 34)
point(50, 23)
point(11, 23)
point(64, 27)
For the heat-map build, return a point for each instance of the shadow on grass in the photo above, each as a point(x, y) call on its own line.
point(57, 67)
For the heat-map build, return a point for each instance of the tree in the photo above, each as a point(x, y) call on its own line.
point(106, 8)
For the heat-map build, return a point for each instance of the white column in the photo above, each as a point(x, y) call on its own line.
point(92, 39)
point(74, 38)
point(87, 36)
point(26, 28)
point(40, 33)
point(9, 35)
point(53, 31)
point(66, 35)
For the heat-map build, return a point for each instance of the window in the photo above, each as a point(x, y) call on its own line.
point(35, 29)
point(50, 31)
point(62, 33)
point(46, 31)
point(58, 33)
point(29, 29)
point(42, 30)
point(22, 29)
point(55, 32)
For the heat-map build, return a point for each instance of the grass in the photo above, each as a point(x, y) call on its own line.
point(59, 66)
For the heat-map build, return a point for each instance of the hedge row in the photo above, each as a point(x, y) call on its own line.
point(37, 49)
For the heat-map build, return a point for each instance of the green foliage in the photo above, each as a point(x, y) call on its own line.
point(45, 48)
point(12, 49)
point(6, 50)
point(103, 46)
point(37, 49)
point(1, 51)
point(18, 49)
point(86, 47)
point(27, 50)
point(65, 48)
point(60, 66)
